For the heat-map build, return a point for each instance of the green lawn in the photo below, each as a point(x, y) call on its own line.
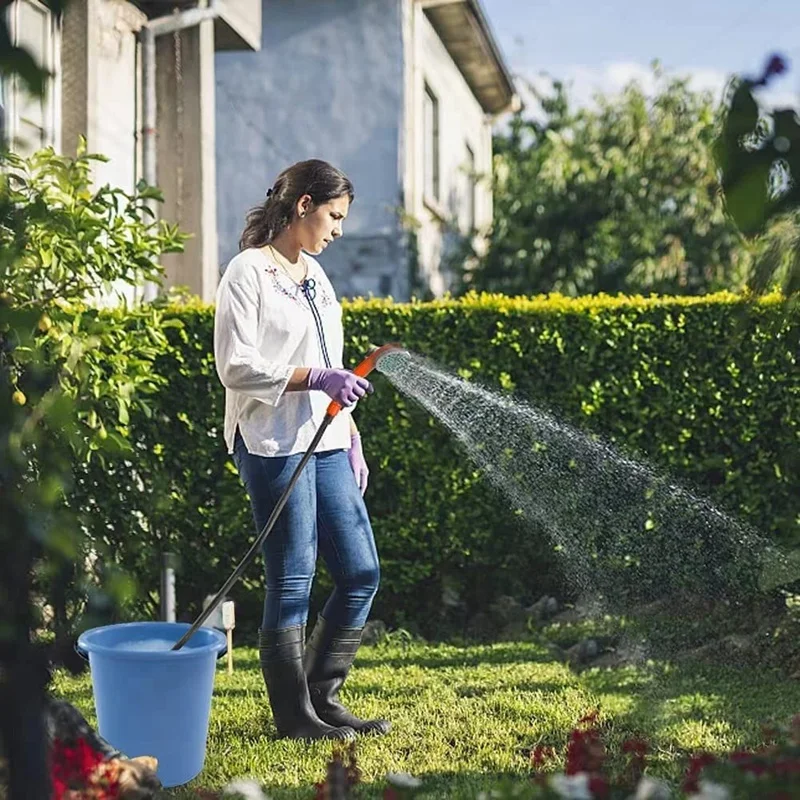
point(465, 718)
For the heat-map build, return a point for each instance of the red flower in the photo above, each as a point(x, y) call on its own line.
point(697, 764)
point(786, 767)
point(541, 754)
point(78, 768)
point(585, 752)
point(638, 747)
point(598, 786)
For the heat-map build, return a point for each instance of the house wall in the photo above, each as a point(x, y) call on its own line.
point(97, 94)
point(102, 100)
point(327, 83)
point(99, 86)
point(100, 92)
point(185, 154)
point(462, 122)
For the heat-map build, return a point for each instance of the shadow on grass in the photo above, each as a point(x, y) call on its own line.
point(665, 698)
point(510, 654)
point(469, 656)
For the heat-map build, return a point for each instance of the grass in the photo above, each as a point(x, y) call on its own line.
point(465, 718)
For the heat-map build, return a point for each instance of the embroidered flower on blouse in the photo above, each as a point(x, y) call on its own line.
point(279, 285)
point(322, 297)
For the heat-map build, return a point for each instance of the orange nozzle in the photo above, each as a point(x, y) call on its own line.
point(365, 367)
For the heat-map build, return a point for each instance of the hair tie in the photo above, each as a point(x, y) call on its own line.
point(269, 192)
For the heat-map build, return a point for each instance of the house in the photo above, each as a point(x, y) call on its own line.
point(209, 99)
point(400, 94)
point(137, 80)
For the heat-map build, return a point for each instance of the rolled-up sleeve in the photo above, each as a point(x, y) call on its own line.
point(240, 365)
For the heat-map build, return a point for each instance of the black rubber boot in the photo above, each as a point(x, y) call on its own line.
point(330, 653)
point(281, 656)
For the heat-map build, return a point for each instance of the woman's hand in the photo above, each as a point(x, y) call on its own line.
point(341, 385)
point(356, 457)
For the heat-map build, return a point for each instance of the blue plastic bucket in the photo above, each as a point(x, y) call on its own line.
point(151, 700)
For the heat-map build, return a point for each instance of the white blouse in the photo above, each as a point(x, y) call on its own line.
point(264, 327)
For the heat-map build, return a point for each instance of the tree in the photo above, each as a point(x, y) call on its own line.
point(619, 198)
point(758, 155)
point(69, 374)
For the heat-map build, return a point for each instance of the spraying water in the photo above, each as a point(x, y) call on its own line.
point(622, 529)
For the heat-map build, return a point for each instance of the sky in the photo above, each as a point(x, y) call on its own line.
point(602, 44)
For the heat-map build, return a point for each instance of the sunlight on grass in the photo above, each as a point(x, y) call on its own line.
point(466, 717)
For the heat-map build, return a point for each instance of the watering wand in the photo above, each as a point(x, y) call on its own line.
point(362, 370)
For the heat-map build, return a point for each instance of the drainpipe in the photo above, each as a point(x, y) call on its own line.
point(147, 36)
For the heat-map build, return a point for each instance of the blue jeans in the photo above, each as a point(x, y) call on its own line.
point(324, 509)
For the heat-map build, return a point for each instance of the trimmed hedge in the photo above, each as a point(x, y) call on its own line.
point(706, 388)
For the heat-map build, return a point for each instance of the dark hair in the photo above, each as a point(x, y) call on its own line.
point(316, 178)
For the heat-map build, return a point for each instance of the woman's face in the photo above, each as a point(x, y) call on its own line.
point(321, 224)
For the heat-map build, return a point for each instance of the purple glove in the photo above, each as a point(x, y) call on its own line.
point(341, 385)
point(356, 456)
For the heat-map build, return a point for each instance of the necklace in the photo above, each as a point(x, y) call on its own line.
point(287, 266)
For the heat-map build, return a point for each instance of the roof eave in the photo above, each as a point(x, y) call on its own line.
point(468, 38)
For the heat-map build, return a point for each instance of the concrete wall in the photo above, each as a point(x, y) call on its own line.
point(100, 93)
point(327, 83)
point(186, 154)
point(111, 94)
point(99, 85)
point(102, 100)
point(461, 122)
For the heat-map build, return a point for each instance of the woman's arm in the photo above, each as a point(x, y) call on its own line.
point(239, 363)
point(299, 380)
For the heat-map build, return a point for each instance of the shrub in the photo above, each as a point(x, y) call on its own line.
point(705, 388)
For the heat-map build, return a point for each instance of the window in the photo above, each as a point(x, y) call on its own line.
point(30, 122)
point(430, 119)
point(471, 188)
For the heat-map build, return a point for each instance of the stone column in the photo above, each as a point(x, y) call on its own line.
point(186, 154)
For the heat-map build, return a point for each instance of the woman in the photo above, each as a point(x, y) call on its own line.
point(278, 344)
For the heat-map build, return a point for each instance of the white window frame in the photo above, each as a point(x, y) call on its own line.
point(13, 86)
point(471, 184)
point(432, 171)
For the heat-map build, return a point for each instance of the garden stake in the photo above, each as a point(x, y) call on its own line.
point(362, 370)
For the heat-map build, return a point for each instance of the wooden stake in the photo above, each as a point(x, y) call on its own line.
point(229, 623)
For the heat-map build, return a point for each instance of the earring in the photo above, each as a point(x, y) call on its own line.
point(302, 213)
